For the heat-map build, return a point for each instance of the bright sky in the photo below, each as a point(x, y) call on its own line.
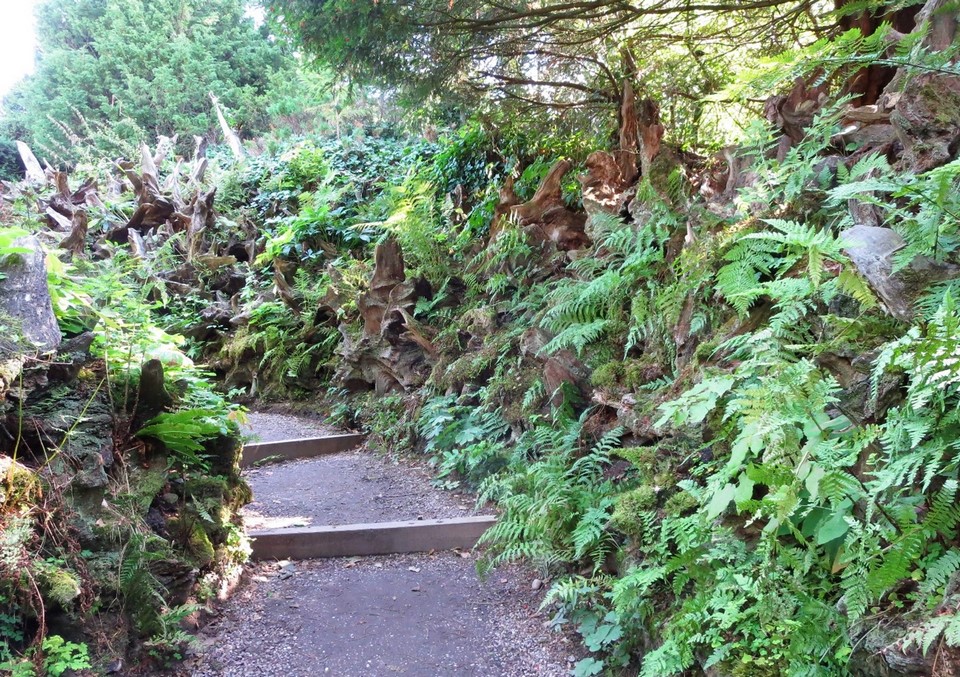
point(17, 42)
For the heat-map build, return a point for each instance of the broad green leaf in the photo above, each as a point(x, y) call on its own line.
point(832, 529)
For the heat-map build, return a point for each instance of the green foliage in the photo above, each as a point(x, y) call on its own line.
point(582, 311)
point(169, 643)
point(924, 209)
point(555, 504)
point(59, 656)
point(184, 432)
point(463, 441)
point(514, 62)
point(413, 216)
point(11, 166)
point(115, 73)
point(838, 57)
point(771, 513)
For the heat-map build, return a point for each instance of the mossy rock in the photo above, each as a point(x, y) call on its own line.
point(58, 584)
point(665, 479)
point(628, 375)
point(242, 493)
point(204, 488)
point(197, 544)
point(640, 372)
point(224, 454)
point(705, 351)
point(644, 459)
point(146, 484)
point(512, 389)
point(200, 547)
point(467, 369)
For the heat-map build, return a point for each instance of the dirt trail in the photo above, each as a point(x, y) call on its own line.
point(402, 615)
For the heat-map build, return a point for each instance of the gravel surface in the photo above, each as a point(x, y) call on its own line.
point(347, 488)
point(419, 615)
point(408, 615)
point(272, 426)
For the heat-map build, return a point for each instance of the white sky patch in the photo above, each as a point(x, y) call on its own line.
point(257, 13)
point(17, 42)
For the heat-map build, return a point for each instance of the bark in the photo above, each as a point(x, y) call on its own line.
point(388, 272)
point(629, 150)
point(651, 134)
point(152, 397)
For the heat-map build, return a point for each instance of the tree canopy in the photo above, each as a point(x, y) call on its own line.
point(113, 72)
point(563, 54)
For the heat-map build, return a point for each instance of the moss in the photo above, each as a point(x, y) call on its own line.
point(242, 493)
point(199, 546)
point(640, 372)
point(58, 584)
point(146, 484)
point(632, 506)
point(608, 375)
point(468, 368)
point(511, 390)
point(19, 486)
point(204, 488)
point(629, 374)
point(665, 479)
point(599, 354)
point(944, 103)
point(705, 350)
point(680, 503)
point(643, 458)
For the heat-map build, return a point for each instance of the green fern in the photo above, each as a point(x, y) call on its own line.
point(184, 432)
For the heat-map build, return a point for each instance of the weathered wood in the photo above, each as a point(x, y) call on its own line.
point(233, 141)
point(34, 172)
point(388, 272)
point(356, 540)
point(549, 216)
point(78, 233)
point(300, 448)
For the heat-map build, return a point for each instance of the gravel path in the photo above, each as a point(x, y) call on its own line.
point(348, 488)
point(403, 615)
point(272, 426)
point(420, 615)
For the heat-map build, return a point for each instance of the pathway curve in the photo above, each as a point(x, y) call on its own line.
point(401, 615)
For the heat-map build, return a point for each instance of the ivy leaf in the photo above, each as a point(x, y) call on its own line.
point(695, 404)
